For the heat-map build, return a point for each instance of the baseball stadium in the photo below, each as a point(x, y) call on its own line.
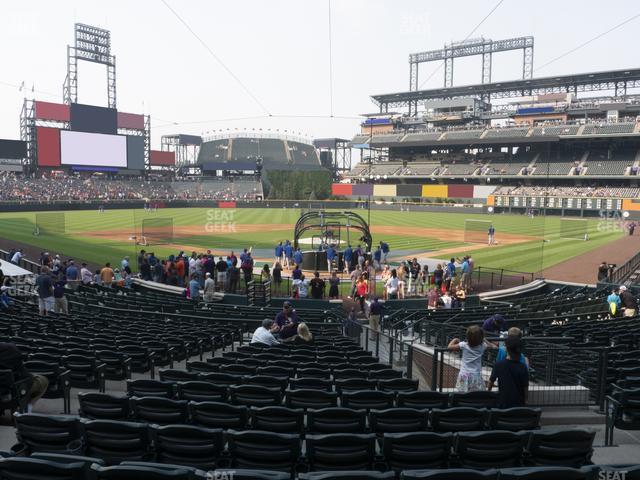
point(450, 292)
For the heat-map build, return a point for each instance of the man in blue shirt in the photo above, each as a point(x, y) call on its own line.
point(465, 279)
point(347, 256)
point(450, 273)
point(279, 250)
point(297, 257)
point(377, 258)
point(73, 274)
point(288, 255)
point(331, 255)
point(384, 246)
point(492, 233)
point(194, 288)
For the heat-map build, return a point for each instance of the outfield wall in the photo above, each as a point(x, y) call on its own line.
point(414, 190)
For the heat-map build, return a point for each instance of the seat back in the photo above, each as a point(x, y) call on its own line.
point(514, 419)
point(354, 385)
point(102, 406)
point(257, 449)
point(115, 442)
point(160, 410)
point(219, 415)
point(450, 474)
point(48, 433)
point(336, 420)
point(188, 445)
point(341, 451)
point(368, 400)
point(475, 399)
point(311, 383)
point(141, 472)
point(545, 473)
point(17, 468)
point(255, 395)
point(347, 475)
point(423, 399)
point(172, 375)
point(396, 420)
point(458, 419)
point(398, 385)
point(150, 388)
point(496, 449)
point(277, 419)
point(568, 448)
point(404, 451)
point(198, 391)
point(306, 399)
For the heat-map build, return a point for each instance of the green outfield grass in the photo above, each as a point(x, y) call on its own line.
point(544, 247)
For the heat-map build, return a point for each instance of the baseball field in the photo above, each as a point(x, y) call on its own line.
point(522, 243)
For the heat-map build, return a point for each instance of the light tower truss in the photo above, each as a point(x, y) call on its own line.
point(92, 44)
point(186, 148)
point(472, 47)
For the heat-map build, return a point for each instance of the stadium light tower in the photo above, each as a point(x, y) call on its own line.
point(467, 48)
point(92, 44)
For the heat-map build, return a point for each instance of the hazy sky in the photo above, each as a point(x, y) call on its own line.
point(279, 49)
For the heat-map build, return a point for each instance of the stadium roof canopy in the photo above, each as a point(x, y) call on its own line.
point(618, 80)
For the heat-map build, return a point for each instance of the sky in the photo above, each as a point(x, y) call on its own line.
point(268, 64)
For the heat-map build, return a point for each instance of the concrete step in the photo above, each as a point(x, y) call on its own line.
point(571, 416)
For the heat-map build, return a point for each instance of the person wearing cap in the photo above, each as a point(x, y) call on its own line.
point(264, 333)
point(494, 324)
point(287, 321)
point(628, 302)
point(209, 288)
point(221, 273)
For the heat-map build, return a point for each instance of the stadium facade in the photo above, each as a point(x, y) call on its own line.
point(567, 144)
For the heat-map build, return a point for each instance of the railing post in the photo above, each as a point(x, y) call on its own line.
point(410, 361)
point(366, 338)
point(603, 359)
point(434, 370)
point(390, 351)
point(441, 370)
point(378, 346)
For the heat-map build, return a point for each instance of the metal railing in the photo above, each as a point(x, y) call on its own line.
point(622, 272)
point(33, 267)
point(559, 375)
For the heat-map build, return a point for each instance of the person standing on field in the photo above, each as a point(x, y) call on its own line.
point(492, 235)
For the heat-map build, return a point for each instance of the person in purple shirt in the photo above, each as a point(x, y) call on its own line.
point(296, 273)
point(494, 324)
point(287, 321)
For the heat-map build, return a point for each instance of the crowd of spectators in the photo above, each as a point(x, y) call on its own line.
point(17, 188)
point(594, 192)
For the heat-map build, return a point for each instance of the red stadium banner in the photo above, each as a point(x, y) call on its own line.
point(160, 158)
point(130, 120)
point(341, 189)
point(48, 146)
point(52, 111)
point(226, 204)
point(460, 191)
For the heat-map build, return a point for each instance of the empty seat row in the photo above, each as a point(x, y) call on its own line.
point(304, 392)
point(114, 442)
point(97, 406)
point(62, 467)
